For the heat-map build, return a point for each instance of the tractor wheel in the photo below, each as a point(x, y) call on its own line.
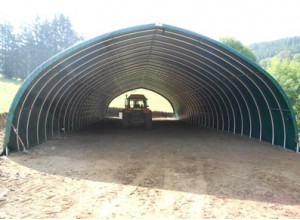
point(148, 121)
point(125, 120)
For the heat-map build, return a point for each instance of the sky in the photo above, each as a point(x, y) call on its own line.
point(249, 21)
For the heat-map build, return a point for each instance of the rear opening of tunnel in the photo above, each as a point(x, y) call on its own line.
point(161, 108)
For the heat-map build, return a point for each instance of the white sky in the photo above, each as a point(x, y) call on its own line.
point(249, 21)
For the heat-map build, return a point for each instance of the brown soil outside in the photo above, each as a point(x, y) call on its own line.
point(171, 171)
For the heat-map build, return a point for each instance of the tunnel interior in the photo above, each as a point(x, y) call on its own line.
point(207, 84)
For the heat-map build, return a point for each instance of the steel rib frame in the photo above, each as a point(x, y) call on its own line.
point(220, 88)
point(208, 97)
point(270, 113)
point(184, 92)
point(45, 98)
point(223, 84)
point(76, 88)
point(249, 91)
point(233, 112)
point(76, 75)
point(43, 74)
point(191, 104)
point(275, 98)
point(221, 81)
point(182, 100)
point(183, 70)
point(89, 76)
point(57, 64)
point(250, 70)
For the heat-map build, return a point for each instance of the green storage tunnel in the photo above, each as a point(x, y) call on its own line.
point(206, 82)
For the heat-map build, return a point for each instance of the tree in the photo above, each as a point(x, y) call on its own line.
point(43, 39)
point(62, 34)
point(21, 53)
point(272, 48)
point(285, 55)
point(287, 73)
point(9, 52)
point(238, 46)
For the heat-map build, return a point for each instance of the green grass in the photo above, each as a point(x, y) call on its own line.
point(155, 101)
point(8, 90)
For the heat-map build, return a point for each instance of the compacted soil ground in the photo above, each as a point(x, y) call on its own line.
point(174, 170)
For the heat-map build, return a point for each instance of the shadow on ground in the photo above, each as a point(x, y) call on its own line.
point(173, 156)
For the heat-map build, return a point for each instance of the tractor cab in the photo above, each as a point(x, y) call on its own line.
point(136, 101)
point(136, 111)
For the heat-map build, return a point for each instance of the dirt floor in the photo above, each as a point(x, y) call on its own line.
point(171, 171)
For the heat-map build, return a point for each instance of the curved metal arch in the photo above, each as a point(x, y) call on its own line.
point(213, 88)
point(65, 84)
point(269, 109)
point(183, 70)
point(45, 73)
point(199, 73)
point(224, 84)
point(190, 103)
point(44, 86)
point(207, 96)
point(249, 91)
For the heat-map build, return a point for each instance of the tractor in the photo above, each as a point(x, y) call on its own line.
point(136, 111)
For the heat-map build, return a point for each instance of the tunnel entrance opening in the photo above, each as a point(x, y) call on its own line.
point(161, 108)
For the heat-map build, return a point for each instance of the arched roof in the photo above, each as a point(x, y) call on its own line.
point(206, 82)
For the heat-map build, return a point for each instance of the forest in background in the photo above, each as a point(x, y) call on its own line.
point(24, 50)
point(287, 48)
point(281, 59)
